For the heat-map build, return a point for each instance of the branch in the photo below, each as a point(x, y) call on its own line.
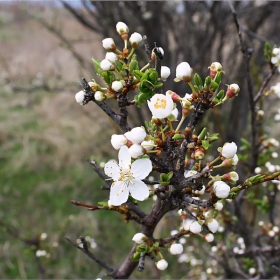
point(264, 84)
point(85, 250)
point(99, 172)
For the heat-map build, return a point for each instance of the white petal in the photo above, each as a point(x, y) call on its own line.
point(124, 158)
point(112, 170)
point(141, 168)
point(138, 190)
point(118, 193)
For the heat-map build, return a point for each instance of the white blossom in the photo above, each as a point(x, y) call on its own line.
point(99, 96)
point(80, 97)
point(221, 189)
point(161, 105)
point(128, 177)
point(165, 72)
point(122, 28)
point(106, 65)
point(162, 264)
point(275, 59)
point(216, 66)
point(135, 39)
point(184, 72)
point(229, 150)
point(218, 206)
point(189, 173)
point(118, 140)
point(234, 176)
point(148, 145)
point(112, 57)
point(136, 150)
point(109, 44)
point(276, 89)
point(209, 237)
point(213, 225)
point(136, 135)
point(117, 86)
point(138, 238)
point(195, 227)
point(176, 249)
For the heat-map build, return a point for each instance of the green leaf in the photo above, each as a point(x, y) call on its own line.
point(214, 85)
point(97, 68)
point(138, 74)
point(197, 81)
point(108, 77)
point(158, 85)
point(205, 144)
point(218, 77)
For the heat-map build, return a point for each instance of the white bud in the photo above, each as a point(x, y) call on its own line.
point(112, 57)
point(165, 72)
point(233, 176)
point(136, 135)
point(117, 86)
point(221, 189)
point(229, 150)
point(106, 65)
point(258, 170)
point(118, 141)
point(209, 237)
point(80, 96)
point(213, 225)
point(218, 206)
point(43, 236)
point(99, 96)
point(148, 145)
point(184, 72)
point(138, 238)
point(162, 264)
point(189, 173)
point(240, 240)
point(234, 88)
point(214, 249)
point(109, 44)
point(176, 249)
point(122, 28)
point(216, 66)
point(234, 160)
point(195, 227)
point(135, 39)
point(136, 150)
point(252, 271)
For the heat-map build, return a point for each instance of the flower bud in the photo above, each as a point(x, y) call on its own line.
point(136, 150)
point(195, 227)
point(139, 238)
point(109, 44)
point(213, 225)
point(184, 72)
point(94, 86)
point(80, 97)
point(112, 57)
point(229, 150)
point(232, 91)
point(106, 65)
point(117, 86)
point(198, 154)
point(176, 249)
point(99, 96)
point(118, 141)
point(164, 72)
point(214, 68)
point(136, 135)
point(221, 189)
point(148, 145)
point(135, 39)
point(162, 264)
point(174, 115)
point(209, 237)
point(122, 29)
point(218, 206)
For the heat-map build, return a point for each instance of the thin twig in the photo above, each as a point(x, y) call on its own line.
point(99, 171)
point(85, 250)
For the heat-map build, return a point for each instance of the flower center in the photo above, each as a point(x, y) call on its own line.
point(160, 103)
point(126, 176)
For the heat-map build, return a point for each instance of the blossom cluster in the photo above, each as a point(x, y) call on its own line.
point(163, 137)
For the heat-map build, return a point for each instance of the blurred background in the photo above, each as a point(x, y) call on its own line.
point(46, 137)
